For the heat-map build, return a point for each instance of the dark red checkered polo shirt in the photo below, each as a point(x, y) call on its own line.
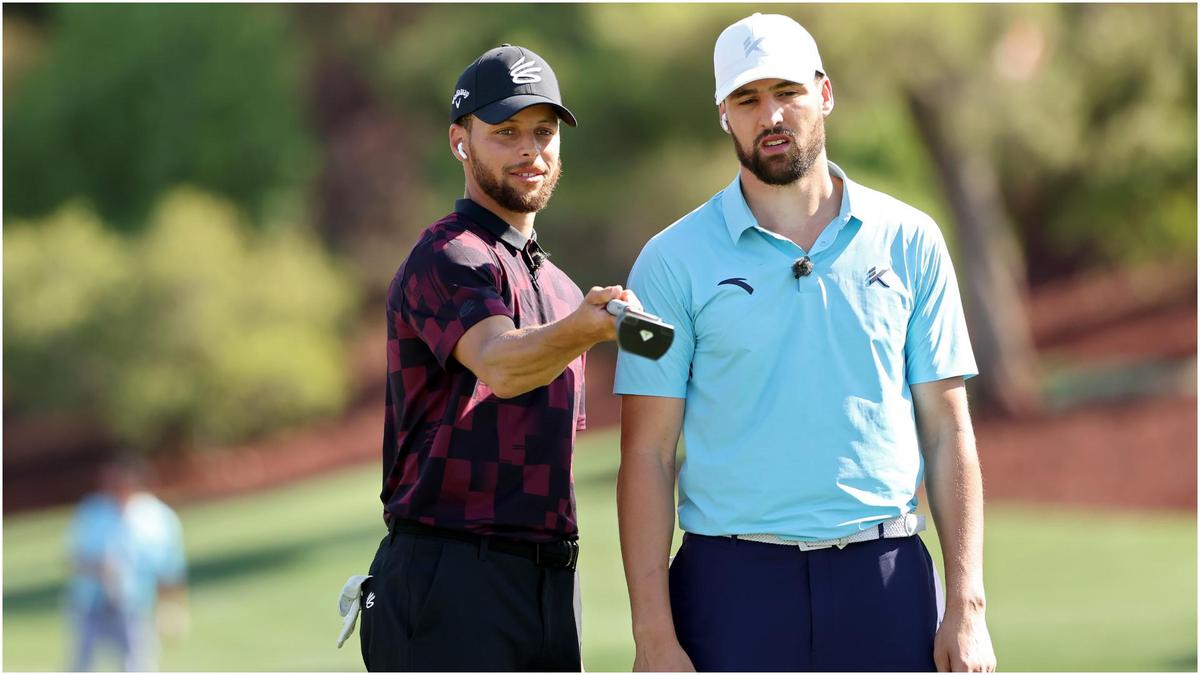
point(454, 454)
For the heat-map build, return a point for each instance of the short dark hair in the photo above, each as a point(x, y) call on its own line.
point(465, 121)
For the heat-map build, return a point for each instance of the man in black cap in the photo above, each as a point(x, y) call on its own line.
point(486, 343)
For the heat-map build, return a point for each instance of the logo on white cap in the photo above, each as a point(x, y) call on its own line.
point(763, 46)
point(525, 73)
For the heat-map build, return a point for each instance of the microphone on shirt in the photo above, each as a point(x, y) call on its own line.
point(537, 256)
point(802, 267)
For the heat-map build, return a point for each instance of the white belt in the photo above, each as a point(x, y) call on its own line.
point(904, 526)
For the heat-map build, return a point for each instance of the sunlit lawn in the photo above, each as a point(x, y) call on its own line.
point(1066, 590)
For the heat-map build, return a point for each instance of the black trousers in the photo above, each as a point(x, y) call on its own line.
point(435, 604)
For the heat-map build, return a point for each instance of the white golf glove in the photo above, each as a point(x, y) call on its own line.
point(349, 605)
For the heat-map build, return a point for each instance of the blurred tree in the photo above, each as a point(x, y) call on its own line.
point(200, 334)
point(132, 99)
point(1096, 143)
point(1046, 139)
point(59, 279)
point(641, 156)
point(983, 116)
point(23, 46)
point(1015, 107)
point(368, 177)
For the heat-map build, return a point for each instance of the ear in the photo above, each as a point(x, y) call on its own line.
point(826, 96)
point(458, 135)
point(723, 118)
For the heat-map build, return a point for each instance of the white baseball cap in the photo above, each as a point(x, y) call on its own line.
point(764, 46)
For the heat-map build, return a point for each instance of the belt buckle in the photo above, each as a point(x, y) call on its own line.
point(815, 545)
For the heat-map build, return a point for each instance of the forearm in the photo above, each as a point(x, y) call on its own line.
point(172, 592)
point(646, 515)
point(955, 489)
point(524, 359)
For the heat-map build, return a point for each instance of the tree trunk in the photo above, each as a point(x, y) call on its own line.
point(991, 269)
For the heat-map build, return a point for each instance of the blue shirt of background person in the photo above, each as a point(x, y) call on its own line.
point(135, 549)
point(809, 376)
point(126, 552)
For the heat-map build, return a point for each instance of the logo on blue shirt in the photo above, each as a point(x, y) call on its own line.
point(740, 282)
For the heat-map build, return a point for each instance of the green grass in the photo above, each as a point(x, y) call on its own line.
point(1066, 590)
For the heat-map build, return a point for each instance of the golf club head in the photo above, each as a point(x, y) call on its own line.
point(641, 333)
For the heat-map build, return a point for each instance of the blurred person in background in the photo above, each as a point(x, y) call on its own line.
point(128, 571)
point(819, 366)
point(486, 343)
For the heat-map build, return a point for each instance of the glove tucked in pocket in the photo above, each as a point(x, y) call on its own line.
point(349, 605)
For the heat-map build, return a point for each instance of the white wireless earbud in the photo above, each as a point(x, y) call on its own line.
point(725, 123)
point(461, 153)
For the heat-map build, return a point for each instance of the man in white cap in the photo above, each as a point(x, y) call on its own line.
point(817, 371)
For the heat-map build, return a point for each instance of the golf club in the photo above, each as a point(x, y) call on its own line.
point(641, 333)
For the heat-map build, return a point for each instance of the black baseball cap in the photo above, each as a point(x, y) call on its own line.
point(504, 81)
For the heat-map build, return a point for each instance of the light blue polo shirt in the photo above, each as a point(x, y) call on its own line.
point(798, 419)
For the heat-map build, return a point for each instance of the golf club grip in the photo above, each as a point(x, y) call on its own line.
point(616, 307)
point(619, 308)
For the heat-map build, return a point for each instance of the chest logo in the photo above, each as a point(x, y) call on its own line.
point(740, 282)
point(877, 274)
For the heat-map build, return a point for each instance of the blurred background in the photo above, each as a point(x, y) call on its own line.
point(203, 205)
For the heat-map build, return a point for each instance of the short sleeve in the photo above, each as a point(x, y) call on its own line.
point(658, 285)
point(938, 345)
point(581, 418)
point(449, 286)
point(82, 540)
point(91, 528)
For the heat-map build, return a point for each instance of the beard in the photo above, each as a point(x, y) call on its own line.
point(788, 168)
point(509, 197)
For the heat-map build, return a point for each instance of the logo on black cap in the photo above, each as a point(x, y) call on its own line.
point(525, 72)
point(502, 82)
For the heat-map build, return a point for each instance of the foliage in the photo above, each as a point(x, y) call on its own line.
point(1087, 111)
point(132, 99)
point(198, 333)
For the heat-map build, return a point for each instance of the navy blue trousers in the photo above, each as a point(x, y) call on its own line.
point(748, 606)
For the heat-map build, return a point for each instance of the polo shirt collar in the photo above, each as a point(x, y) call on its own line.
point(492, 223)
point(739, 218)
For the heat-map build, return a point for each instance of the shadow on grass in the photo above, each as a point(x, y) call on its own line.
point(1184, 663)
point(207, 570)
